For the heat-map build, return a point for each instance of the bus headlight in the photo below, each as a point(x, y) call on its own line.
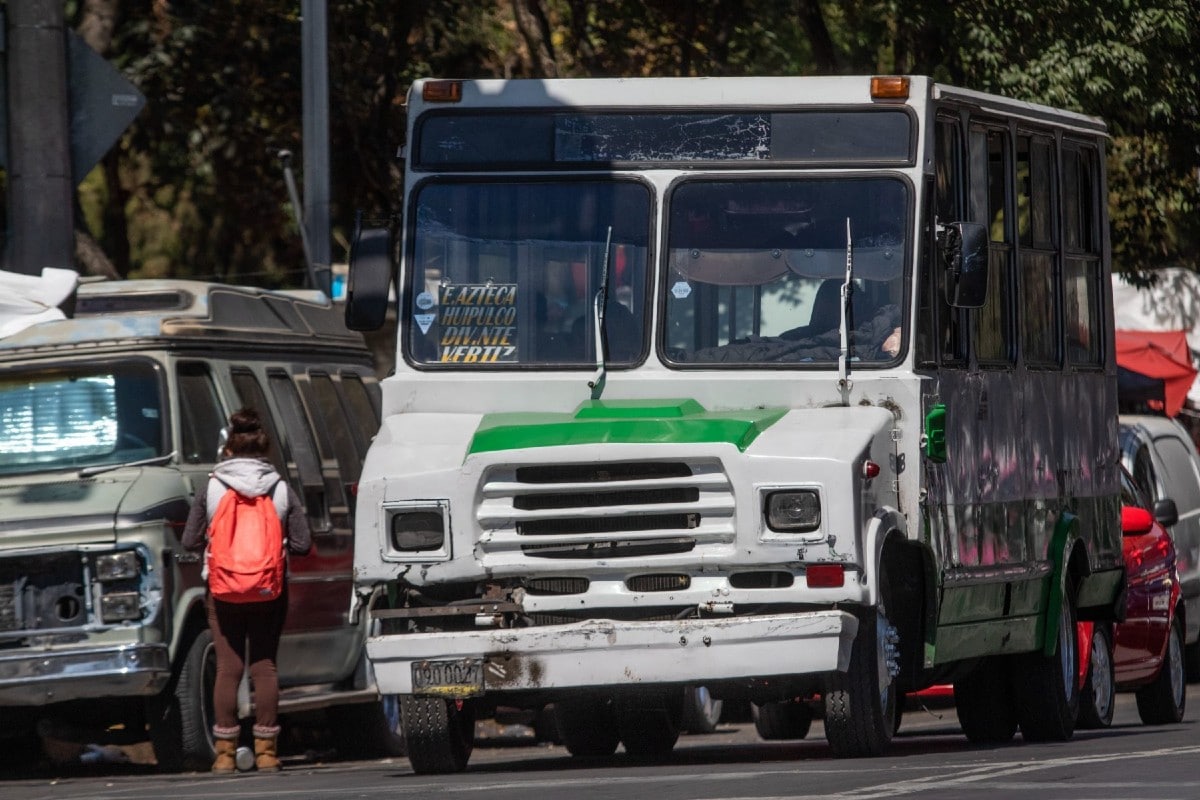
point(793, 511)
point(418, 531)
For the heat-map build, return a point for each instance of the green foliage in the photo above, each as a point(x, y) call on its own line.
point(203, 194)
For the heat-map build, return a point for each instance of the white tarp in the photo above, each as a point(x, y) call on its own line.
point(1172, 304)
point(29, 299)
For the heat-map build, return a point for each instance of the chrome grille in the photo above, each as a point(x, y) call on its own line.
point(606, 509)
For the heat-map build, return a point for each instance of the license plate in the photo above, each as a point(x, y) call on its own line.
point(460, 678)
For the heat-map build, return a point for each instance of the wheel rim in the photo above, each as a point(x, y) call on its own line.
point(1101, 676)
point(1066, 651)
point(887, 656)
point(1175, 664)
point(391, 712)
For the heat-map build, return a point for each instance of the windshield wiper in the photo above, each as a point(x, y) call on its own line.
point(596, 384)
point(87, 472)
point(844, 383)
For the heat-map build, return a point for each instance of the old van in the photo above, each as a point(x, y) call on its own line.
point(111, 420)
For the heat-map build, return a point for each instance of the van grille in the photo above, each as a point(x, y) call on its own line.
point(605, 510)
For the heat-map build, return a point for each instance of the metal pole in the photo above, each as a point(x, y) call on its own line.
point(314, 66)
point(285, 158)
point(41, 188)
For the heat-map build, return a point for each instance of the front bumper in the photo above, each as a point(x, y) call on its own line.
point(609, 653)
point(55, 676)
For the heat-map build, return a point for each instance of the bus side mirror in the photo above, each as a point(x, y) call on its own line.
point(964, 247)
point(369, 279)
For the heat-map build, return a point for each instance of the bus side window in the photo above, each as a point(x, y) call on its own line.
point(989, 170)
point(949, 185)
point(1082, 263)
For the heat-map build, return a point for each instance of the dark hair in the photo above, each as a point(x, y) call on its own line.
point(247, 437)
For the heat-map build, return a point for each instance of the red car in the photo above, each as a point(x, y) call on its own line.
point(1145, 652)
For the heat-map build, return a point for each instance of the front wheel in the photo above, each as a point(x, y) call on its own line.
point(650, 726)
point(439, 734)
point(984, 701)
point(860, 704)
point(783, 719)
point(1162, 702)
point(179, 720)
point(1098, 698)
point(1047, 687)
point(369, 730)
point(588, 726)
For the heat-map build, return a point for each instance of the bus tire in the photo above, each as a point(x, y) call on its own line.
point(588, 726)
point(439, 734)
point(650, 726)
point(860, 704)
point(1098, 697)
point(1047, 687)
point(1162, 702)
point(783, 719)
point(984, 701)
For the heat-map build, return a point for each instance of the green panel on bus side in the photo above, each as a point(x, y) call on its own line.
point(1001, 636)
point(971, 603)
point(624, 422)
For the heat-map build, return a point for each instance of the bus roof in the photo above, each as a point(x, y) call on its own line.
point(731, 92)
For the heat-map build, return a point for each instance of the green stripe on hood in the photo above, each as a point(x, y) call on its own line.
point(623, 422)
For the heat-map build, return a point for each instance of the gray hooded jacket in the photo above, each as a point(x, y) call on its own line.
point(250, 477)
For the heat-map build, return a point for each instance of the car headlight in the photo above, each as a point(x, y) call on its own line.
point(120, 606)
point(117, 566)
point(793, 511)
point(418, 531)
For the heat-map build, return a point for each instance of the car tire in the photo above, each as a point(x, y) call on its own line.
point(1098, 697)
point(369, 730)
point(1047, 689)
point(1191, 661)
point(650, 726)
point(1162, 702)
point(984, 700)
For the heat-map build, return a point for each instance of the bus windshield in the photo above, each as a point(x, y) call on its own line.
point(506, 274)
point(755, 269)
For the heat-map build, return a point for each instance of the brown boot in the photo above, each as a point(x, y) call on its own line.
point(226, 762)
point(265, 755)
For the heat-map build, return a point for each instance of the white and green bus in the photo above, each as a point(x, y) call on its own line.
point(799, 389)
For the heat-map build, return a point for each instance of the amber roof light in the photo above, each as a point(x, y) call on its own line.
point(889, 87)
point(441, 91)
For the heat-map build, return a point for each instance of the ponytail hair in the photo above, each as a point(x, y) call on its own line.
point(247, 437)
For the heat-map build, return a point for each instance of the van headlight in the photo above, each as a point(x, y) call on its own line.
point(120, 606)
point(417, 531)
point(793, 511)
point(117, 566)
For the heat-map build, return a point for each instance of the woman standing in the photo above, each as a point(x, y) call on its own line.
point(247, 632)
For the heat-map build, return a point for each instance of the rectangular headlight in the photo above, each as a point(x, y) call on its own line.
point(793, 511)
point(417, 531)
point(117, 566)
point(120, 606)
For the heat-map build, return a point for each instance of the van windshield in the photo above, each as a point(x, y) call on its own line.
point(67, 417)
point(506, 273)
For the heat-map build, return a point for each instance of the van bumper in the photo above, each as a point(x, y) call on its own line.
point(609, 652)
point(54, 676)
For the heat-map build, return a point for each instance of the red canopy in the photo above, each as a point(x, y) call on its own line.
point(1163, 355)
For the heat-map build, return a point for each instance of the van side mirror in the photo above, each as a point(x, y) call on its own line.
point(1166, 512)
point(369, 279)
point(964, 249)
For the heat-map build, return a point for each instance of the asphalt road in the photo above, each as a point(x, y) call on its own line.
point(929, 759)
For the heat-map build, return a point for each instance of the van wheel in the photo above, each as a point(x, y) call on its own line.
point(785, 719)
point(860, 704)
point(1098, 698)
point(439, 734)
point(588, 726)
point(179, 720)
point(1162, 702)
point(1047, 687)
point(369, 730)
point(984, 701)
